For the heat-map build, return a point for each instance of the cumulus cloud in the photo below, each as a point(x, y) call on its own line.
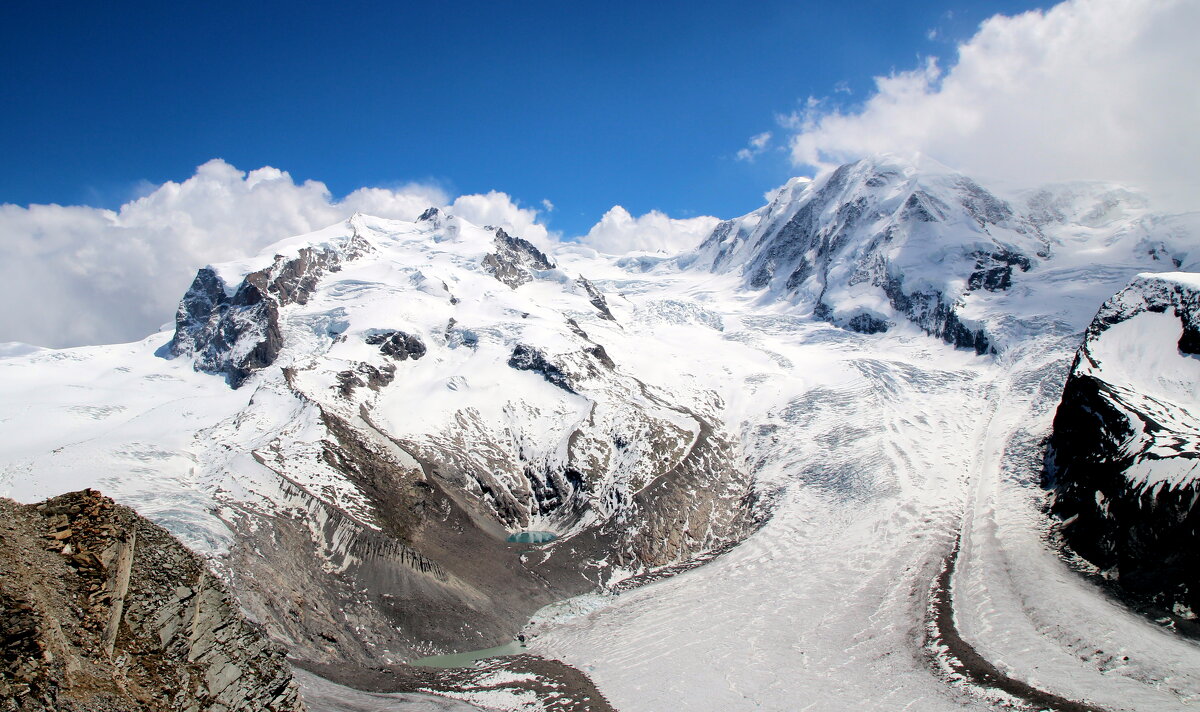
point(619, 232)
point(1090, 89)
point(498, 209)
point(755, 146)
point(73, 275)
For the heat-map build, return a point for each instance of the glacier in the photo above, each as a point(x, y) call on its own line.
point(823, 400)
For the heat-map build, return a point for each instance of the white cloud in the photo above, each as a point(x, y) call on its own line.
point(547, 205)
point(74, 275)
point(498, 209)
point(619, 232)
point(1090, 89)
point(757, 144)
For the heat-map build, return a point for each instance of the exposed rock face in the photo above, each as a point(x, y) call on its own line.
point(236, 335)
point(1124, 457)
point(527, 358)
point(397, 344)
point(513, 259)
point(103, 610)
point(994, 270)
point(597, 299)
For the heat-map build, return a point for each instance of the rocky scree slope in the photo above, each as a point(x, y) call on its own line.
point(419, 391)
point(103, 610)
point(1124, 456)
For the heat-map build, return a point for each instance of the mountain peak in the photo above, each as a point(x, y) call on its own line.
point(892, 239)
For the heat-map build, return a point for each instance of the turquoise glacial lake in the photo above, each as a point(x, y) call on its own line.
point(532, 537)
point(456, 660)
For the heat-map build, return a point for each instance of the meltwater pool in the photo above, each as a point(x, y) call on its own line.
point(532, 537)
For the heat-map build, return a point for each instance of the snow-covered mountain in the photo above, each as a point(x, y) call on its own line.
point(388, 401)
point(353, 422)
point(887, 240)
point(1125, 453)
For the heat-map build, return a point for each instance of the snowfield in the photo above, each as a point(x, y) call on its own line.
point(876, 452)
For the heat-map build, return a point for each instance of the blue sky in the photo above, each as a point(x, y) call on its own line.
point(587, 105)
point(150, 122)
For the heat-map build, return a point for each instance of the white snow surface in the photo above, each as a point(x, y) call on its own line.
point(928, 228)
point(1133, 347)
point(880, 449)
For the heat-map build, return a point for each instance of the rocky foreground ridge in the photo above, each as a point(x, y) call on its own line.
point(1124, 456)
point(104, 611)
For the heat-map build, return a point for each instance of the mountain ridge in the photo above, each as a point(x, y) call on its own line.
point(351, 423)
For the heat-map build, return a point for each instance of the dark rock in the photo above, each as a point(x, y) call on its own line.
point(397, 344)
point(993, 270)
point(867, 324)
point(597, 298)
point(527, 358)
point(1189, 341)
point(597, 352)
point(1145, 537)
point(986, 208)
point(375, 378)
point(237, 335)
point(514, 259)
point(929, 311)
point(923, 207)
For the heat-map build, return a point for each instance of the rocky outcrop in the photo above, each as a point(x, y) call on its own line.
point(929, 310)
point(514, 259)
point(597, 298)
point(994, 270)
point(235, 334)
point(528, 358)
point(104, 611)
point(1124, 457)
point(229, 335)
point(397, 344)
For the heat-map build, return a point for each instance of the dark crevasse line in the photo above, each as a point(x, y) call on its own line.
point(967, 662)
